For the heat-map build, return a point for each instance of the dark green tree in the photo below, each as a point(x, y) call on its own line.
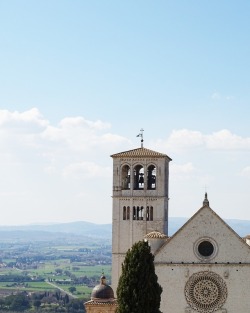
point(72, 289)
point(20, 302)
point(37, 303)
point(66, 299)
point(138, 288)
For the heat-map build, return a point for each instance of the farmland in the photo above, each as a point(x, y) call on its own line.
point(48, 262)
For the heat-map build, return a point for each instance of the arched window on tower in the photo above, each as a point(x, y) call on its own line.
point(149, 213)
point(141, 213)
point(151, 177)
point(134, 213)
point(138, 177)
point(126, 213)
point(138, 213)
point(151, 217)
point(125, 177)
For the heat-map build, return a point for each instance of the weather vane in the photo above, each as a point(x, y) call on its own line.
point(205, 187)
point(141, 135)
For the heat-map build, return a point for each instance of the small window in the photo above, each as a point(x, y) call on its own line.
point(128, 213)
point(124, 213)
point(206, 248)
point(149, 213)
point(151, 217)
point(138, 213)
point(141, 213)
point(134, 213)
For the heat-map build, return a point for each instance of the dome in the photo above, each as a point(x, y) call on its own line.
point(102, 291)
point(155, 235)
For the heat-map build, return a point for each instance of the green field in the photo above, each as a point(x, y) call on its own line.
point(48, 270)
point(44, 262)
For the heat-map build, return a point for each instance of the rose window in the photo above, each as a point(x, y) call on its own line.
point(205, 292)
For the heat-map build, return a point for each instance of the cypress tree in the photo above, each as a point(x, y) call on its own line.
point(138, 289)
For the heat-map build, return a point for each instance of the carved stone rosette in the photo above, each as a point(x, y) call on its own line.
point(205, 292)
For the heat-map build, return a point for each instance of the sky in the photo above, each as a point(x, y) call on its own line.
point(79, 79)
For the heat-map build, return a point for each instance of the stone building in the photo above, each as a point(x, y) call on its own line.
point(204, 267)
point(140, 200)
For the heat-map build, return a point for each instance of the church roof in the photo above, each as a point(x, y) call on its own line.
point(139, 153)
point(155, 235)
point(199, 212)
point(102, 291)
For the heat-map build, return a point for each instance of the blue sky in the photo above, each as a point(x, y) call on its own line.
point(78, 79)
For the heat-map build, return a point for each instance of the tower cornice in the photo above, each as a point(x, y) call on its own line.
point(140, 153)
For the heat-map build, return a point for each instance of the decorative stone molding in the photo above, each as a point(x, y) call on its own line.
point(226, 274)
point(205, 248)
point(205, 292)
point(186, 272)
point(189, 310)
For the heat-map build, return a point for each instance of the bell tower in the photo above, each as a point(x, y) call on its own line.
point(140, 200)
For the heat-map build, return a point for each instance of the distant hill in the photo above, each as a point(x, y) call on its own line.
point(77, 228)
point(242, 227)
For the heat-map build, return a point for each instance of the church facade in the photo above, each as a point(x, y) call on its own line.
point(204, 267)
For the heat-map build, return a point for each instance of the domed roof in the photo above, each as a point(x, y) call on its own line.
point(102, 291)
point(155, 235)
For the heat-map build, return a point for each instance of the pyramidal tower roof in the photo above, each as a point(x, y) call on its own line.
point(140, 153)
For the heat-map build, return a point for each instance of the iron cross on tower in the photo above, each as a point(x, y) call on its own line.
point(141, 135)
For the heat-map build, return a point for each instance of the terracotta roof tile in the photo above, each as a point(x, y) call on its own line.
point(139, 153)
point(156, 235)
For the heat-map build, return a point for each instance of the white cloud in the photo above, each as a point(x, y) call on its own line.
point(36, 154)
point(225, 140)
point(74, 146)
point(185, 138)
point(188, 172)
point(86, 170)
point(246, 171)
point(80, 122)
point(13, 194)
point(27, 134)
point(183, 171)
point(218, 96)
point(19, 120)
point(189, 139)
point(80, 134)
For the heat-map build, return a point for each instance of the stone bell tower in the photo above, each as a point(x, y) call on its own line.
point(140, 200)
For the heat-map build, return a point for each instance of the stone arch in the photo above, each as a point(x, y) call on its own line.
point(138, 177)
point(151, 177)
point(125, 177)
